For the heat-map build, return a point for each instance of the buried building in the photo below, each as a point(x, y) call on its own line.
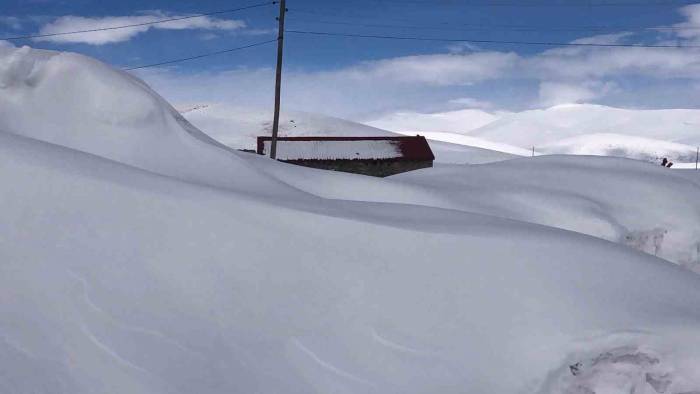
point(375, 156)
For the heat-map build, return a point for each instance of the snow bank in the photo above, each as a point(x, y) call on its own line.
point(78, 102)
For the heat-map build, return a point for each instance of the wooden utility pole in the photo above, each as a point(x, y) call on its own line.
point(278, 80)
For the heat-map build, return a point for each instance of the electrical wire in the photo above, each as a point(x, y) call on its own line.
point(491, 28)
point(200, 56)
point(477, 41)
point(543, 3)
point(139, 24)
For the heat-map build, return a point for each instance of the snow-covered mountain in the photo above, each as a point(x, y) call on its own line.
point(137, 255)
point(568, 129)
point(547, 126)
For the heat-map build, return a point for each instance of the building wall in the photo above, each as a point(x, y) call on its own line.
point(378, 168)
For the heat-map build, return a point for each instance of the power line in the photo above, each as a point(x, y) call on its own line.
point(475, 27)
point(544, 3)
point(200, 56)
point(139, 24)
point(517, 28)
point(477, 41)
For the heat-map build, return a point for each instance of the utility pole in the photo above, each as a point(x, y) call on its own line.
point(278, 80)
point(697, 156)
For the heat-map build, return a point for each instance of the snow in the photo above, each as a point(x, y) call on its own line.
point(125, 268)
point(540, 127)
point(108, 113)
point(581, 129)
point(329, 150)
point(238, 127)
point(633, 147)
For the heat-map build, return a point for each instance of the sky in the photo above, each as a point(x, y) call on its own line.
point(364, 78)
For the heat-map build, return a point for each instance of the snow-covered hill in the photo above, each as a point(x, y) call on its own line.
point(238, 127)
point(567, 129)
point(163, 262)
point(540, 127)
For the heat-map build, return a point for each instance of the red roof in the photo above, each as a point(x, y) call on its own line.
point(333, 148)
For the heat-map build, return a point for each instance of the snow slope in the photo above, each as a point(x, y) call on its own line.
point(122, 275)
point(238, 128)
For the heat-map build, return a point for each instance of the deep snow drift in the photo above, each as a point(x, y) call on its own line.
point(646, 207)
point(117, 279)
point(153, 285)
point(75, 101)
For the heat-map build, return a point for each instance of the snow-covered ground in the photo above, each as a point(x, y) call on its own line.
point(139, 256)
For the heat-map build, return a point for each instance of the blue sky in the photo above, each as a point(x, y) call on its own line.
point(360, 78)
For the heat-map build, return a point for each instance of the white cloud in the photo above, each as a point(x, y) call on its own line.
point(79, 23)
point(587, 62)
point(439, 70)
point(690, 29)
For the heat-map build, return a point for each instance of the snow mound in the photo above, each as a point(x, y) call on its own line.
point(81, 103)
